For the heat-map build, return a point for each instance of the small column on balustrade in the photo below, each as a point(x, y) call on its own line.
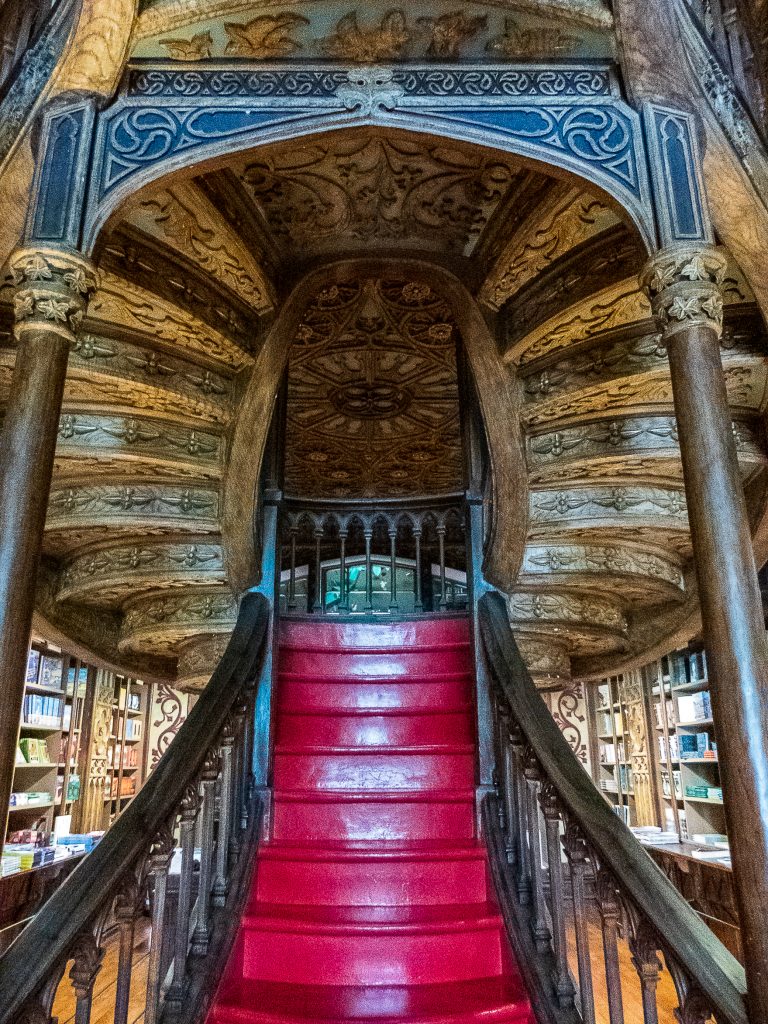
point(52, 288)
point(684, 284)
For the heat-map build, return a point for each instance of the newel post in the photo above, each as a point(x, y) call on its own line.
point(684, 283)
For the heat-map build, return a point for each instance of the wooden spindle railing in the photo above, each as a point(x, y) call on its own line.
point(339, 536)
point(199, 801)
point(566, 866)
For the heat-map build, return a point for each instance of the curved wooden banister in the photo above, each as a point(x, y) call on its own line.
point(134, 854)
point(543, 786)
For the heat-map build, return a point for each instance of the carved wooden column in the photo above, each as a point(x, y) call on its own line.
point(683, 284)
point(52, 287)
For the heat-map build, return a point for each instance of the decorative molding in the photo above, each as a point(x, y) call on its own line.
point(610, 505)
point(197, 660)
point(52, 288)
point(746, 379)
point(165, 622)
point(119, 302)
point(183, 218)
point(593, 612)
point(567, 218)
point(108, 575)
point(684, 284)
point(93, 433)
point(546, 660)
point(603, 560)
point(323, 82)
point(182, 508)
point(629, 436)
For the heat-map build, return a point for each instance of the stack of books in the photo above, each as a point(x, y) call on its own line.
point(694, 707)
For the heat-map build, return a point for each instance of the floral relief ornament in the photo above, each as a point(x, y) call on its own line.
point(685, 286)
point(52, 289)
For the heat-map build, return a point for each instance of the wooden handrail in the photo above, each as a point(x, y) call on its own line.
point(36, 955)
point(700, 965)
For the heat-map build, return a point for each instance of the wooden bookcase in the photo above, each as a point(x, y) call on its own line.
point(82, 740)
point(679, 775)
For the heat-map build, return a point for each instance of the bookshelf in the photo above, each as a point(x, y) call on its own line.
point(125, 756)
point(611, 766)
point(681, 747)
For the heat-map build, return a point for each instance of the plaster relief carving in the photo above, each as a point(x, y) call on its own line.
point(168, 620)
point(610, 506)
point(183, 508)
point(196, 48)
point(516, 42)
point(600, 559)
point(119, 302)
point(184, 218)
point(383, 42)
point(566, 219)
point(91, 434)
point(269, 35)
point(352, 190)
point(556, 607)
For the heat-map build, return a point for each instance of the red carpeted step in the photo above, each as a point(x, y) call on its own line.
point(390, 874)
point(418, 693)
point(371, 899)
point(394, 728)
point(393, 768)
point(371, 945)
point(497, 1000)
point(383, 816)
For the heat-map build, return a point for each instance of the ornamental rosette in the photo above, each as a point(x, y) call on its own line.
point(684, 284)
point(52, 290)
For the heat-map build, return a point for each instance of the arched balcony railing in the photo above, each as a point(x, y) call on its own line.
point(348, 558)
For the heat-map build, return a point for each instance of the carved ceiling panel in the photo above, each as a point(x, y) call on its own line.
point(349, 191)
point(373, 405)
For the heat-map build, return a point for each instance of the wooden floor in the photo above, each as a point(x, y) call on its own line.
point(104, 993)
point(102, 1010)
point(630, 985)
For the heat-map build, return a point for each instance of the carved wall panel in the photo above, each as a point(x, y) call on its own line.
point(167, 713)
point(375, 32)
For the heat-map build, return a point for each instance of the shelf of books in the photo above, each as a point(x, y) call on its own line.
point(55, 789)
point(613, 770)
point(688, 765)
point(684, 800)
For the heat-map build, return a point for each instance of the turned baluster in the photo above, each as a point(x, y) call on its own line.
point(87, 956)
point(609, 905)
point(368, 534)
point(517, 746)
point(159, 862)
point(343, 589)
point(644, 946)
point(239, 713)
point(539, 926)
point(441, 543)
point(190, 805)
point(246, 779)
point(127, 910)
point(292, 577)
point(319, 602)
point(393, 569)
point(208, 779)
point(577, 854)
point(550, 806)
point(417, 602)
point(221, 880)
point(511, 808)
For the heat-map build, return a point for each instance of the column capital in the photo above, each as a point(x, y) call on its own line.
point(52, 290)
point(684, 283)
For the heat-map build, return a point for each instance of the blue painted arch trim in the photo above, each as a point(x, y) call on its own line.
point(141, 139)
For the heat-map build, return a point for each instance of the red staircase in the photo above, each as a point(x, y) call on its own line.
point(372, 900)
